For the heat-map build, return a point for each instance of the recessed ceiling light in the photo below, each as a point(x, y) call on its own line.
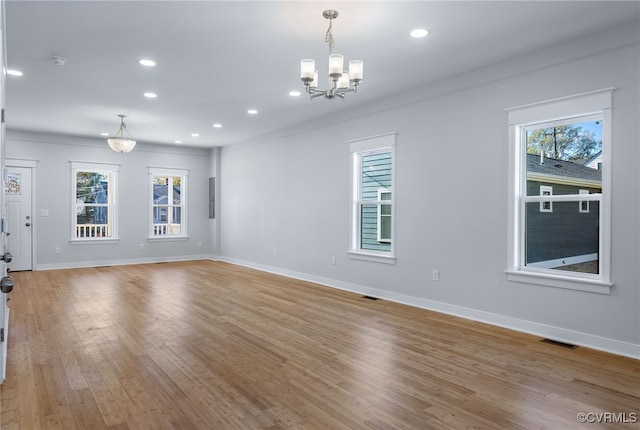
point(195, 134)
point(294, 93)
point(177, 141)
point(147, 62)
point(13, 72)
point(104, 133)
point(150, 95)
point(420, 32)
point(252, 111)
point(216, 125)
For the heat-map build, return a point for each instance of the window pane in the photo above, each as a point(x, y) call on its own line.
point(177, 190)
point(369, 229)
point(92, 209)
point(93, 215)
point(92, 187)
point(160, 190)
point(564, 239)
point(12, 183)
point(376, 174)
point(568, 153)
point(160, 214)
point(385, 228)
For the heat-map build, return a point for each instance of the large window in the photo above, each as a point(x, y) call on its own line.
point(373, 207)
point(560, 188)
point(94, 201)
point(168, 203)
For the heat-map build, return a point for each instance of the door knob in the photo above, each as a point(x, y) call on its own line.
point(28, 224)
point(6, 284)
point(7, 257)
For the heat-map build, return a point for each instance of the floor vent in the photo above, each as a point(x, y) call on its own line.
point(370, 297)
point(558, 343)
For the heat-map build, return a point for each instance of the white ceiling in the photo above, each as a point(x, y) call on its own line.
point(216, 59)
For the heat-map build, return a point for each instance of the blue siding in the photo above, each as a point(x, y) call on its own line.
point(376, 175)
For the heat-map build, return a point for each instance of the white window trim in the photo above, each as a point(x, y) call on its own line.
point(546, 189)
point(169, 171)
point(81, 166)
point(356, 147)
point(598, 102)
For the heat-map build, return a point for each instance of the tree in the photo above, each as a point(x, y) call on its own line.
point(564, 142)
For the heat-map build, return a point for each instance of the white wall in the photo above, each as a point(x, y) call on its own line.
point(286, 208)
point(53, 192)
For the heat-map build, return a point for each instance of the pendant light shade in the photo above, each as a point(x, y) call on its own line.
point(119, 142)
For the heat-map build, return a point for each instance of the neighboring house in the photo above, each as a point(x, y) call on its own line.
point(161, 204)
point(376, 186)
point(595, 162)
point(561, 233)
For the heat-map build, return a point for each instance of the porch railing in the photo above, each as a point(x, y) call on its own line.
point(93, 230)
point(166, 229)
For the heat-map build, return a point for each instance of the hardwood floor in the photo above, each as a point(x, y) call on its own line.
point(209, 345)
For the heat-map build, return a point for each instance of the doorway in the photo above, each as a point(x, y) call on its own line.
point(19, 223)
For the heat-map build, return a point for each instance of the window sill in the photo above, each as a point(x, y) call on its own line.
point(94, 241)
point(376, 258)
point(167, 238)
point(558, 281)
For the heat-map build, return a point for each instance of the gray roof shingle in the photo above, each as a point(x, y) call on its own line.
point(567, 169)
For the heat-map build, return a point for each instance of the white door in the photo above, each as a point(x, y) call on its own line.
point(19, 226)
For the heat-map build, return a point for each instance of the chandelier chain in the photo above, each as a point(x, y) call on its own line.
point(328, 38)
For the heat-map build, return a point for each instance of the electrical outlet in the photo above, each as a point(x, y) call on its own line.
point(435, 275)
point(57, 250)
point(333, 259)
point(141, 246)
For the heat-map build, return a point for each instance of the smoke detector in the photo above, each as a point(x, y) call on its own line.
point(58, 61)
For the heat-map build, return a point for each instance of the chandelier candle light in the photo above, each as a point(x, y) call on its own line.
point(340, 81)
point(119, 142)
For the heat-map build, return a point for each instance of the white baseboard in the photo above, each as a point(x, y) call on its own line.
point(125, 262)
point(613, 346)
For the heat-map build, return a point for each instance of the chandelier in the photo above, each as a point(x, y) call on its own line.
point(340, 81)
point(119, 142)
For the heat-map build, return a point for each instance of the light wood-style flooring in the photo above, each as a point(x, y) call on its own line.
point(210, 345)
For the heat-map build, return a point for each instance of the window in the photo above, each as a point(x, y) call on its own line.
point(560, 159)
point(94, 201)
point(583, 205)
point(168, 203)
point(373, 207)
point(546, 205)
point(384, 216)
